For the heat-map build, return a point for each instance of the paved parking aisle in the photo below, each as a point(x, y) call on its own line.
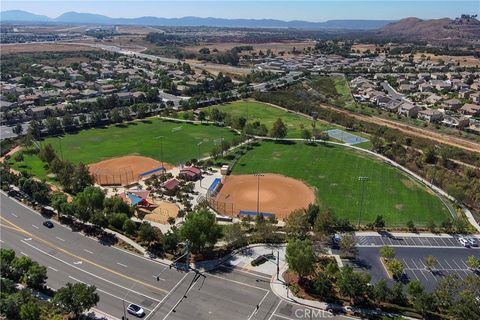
point(408, 241)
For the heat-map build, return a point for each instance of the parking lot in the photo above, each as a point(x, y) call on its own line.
point(450, 261)
point(408, 241)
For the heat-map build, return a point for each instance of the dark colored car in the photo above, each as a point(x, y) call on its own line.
point(259, 260)
point(48, 224)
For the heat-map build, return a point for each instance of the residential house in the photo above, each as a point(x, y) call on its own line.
point(470, 109)
point(475, 97)
point(452, 104)
point(430, 115)
point(409, 110)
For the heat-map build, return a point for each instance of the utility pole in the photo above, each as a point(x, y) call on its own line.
point(258, 175)
point(362, 180)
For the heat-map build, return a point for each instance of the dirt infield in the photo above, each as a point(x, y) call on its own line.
point(279, 195)
point(123, 170)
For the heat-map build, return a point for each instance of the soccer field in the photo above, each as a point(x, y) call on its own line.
point(334, 170)
point(266, 114)
point(181, 142)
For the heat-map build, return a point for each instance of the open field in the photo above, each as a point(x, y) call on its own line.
point(275, 47)
point(43, 47)
point(333, 171)
point(266, 114)
point(467, 61)
point(134, 138)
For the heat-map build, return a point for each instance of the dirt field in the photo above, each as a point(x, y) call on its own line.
point(279, 195)
point(123, 170)
point(274, 46)
point(161, 213)
point(43, 47)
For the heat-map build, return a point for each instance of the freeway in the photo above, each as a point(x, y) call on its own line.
point(119, 275)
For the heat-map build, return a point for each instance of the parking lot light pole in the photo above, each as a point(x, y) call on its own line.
point(258, 175)
point(161, 152)
point(362, 180)
point(60, 143)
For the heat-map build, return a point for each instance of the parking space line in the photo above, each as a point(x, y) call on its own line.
point(413, 272)
point(448, 264)
point(443, 241)
point(275, 310)
point(405, 263)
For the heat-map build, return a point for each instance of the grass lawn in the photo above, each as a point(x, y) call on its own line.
point(334, 170)
point(266, 114)
point(135, 138)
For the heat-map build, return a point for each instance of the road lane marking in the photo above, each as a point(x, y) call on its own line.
point(89, 273)
point(121, 264)
point(275, 310)
point(60, 239)
point(88, 251)
point(161, 279)
point(183, 297)
point(84, 259)
point(26, 255)
point(78, 262)
point(255, 311)
point(27, 239)
point(13, 214)
point(166, 296)
point(35, 226)
point(237, 282)
point(53, 269)
point(107, 293)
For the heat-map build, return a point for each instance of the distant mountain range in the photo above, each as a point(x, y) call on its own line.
point(19, 16)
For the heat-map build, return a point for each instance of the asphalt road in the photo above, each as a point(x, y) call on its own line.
point(120, 275)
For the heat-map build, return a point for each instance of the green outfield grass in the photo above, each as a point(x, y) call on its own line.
point(266, 114)
point(334, 170)
point(180, 143)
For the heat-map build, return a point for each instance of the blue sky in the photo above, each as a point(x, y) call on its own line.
point(313, 10)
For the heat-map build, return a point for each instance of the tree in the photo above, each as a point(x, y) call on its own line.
point(115, 116)
point(323, 286)
point(430, 262)
point(147, 233)
point(296, 225)
point(353, 285)
point(35, 129)
point(76, 298)
point(7, 256)
point(446, 291)
point(387, 252)
point(99, 219)
point(300, 258)
point(20, 267)
point(36, 276)
point(129, 227)
point(234, 235)
point(379, 223)
point(201, 230)
point(421, 300)
point(473, 262)
point(18, 129)
point(279, 130)
point(381, 291)
point(90, 200)
point(59, 201)
point(67, 122)
point(312, 213)
point(306, 134)
point(325, 222)
point(410, 225)
point(395, 267)
point(81, 178)
point(47, 153)
point(30, 311)
point(53, 125)
point(348, 246)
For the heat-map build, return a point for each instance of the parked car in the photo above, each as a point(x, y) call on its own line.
point(464, 242)
point(473, 242)
point(48, 224)
point(135, 310)
point(259, 260)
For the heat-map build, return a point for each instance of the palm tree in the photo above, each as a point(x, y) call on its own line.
point(430, 262)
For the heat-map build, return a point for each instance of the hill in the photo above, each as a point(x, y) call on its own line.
point(88, 18)
point(435, 30)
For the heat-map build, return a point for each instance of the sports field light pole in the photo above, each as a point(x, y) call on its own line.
point(362, 180)
point(161, 152)
point(258, 175)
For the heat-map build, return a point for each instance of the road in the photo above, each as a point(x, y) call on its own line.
point(119, 275)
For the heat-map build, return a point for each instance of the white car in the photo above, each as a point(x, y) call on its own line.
point(135, 310)
point(464, 242)
point(473, 242)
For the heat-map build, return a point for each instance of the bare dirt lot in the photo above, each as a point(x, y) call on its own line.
point(278, 194)
point(467, 61)
point(162, 212)
point(123, 170)
point(42, 47)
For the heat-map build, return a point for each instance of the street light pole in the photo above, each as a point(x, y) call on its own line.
point(161, 152)
point(362, 181)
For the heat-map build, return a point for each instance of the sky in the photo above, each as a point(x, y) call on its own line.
point(312, 10)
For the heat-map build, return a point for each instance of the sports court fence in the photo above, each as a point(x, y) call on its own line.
point(121, 177)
